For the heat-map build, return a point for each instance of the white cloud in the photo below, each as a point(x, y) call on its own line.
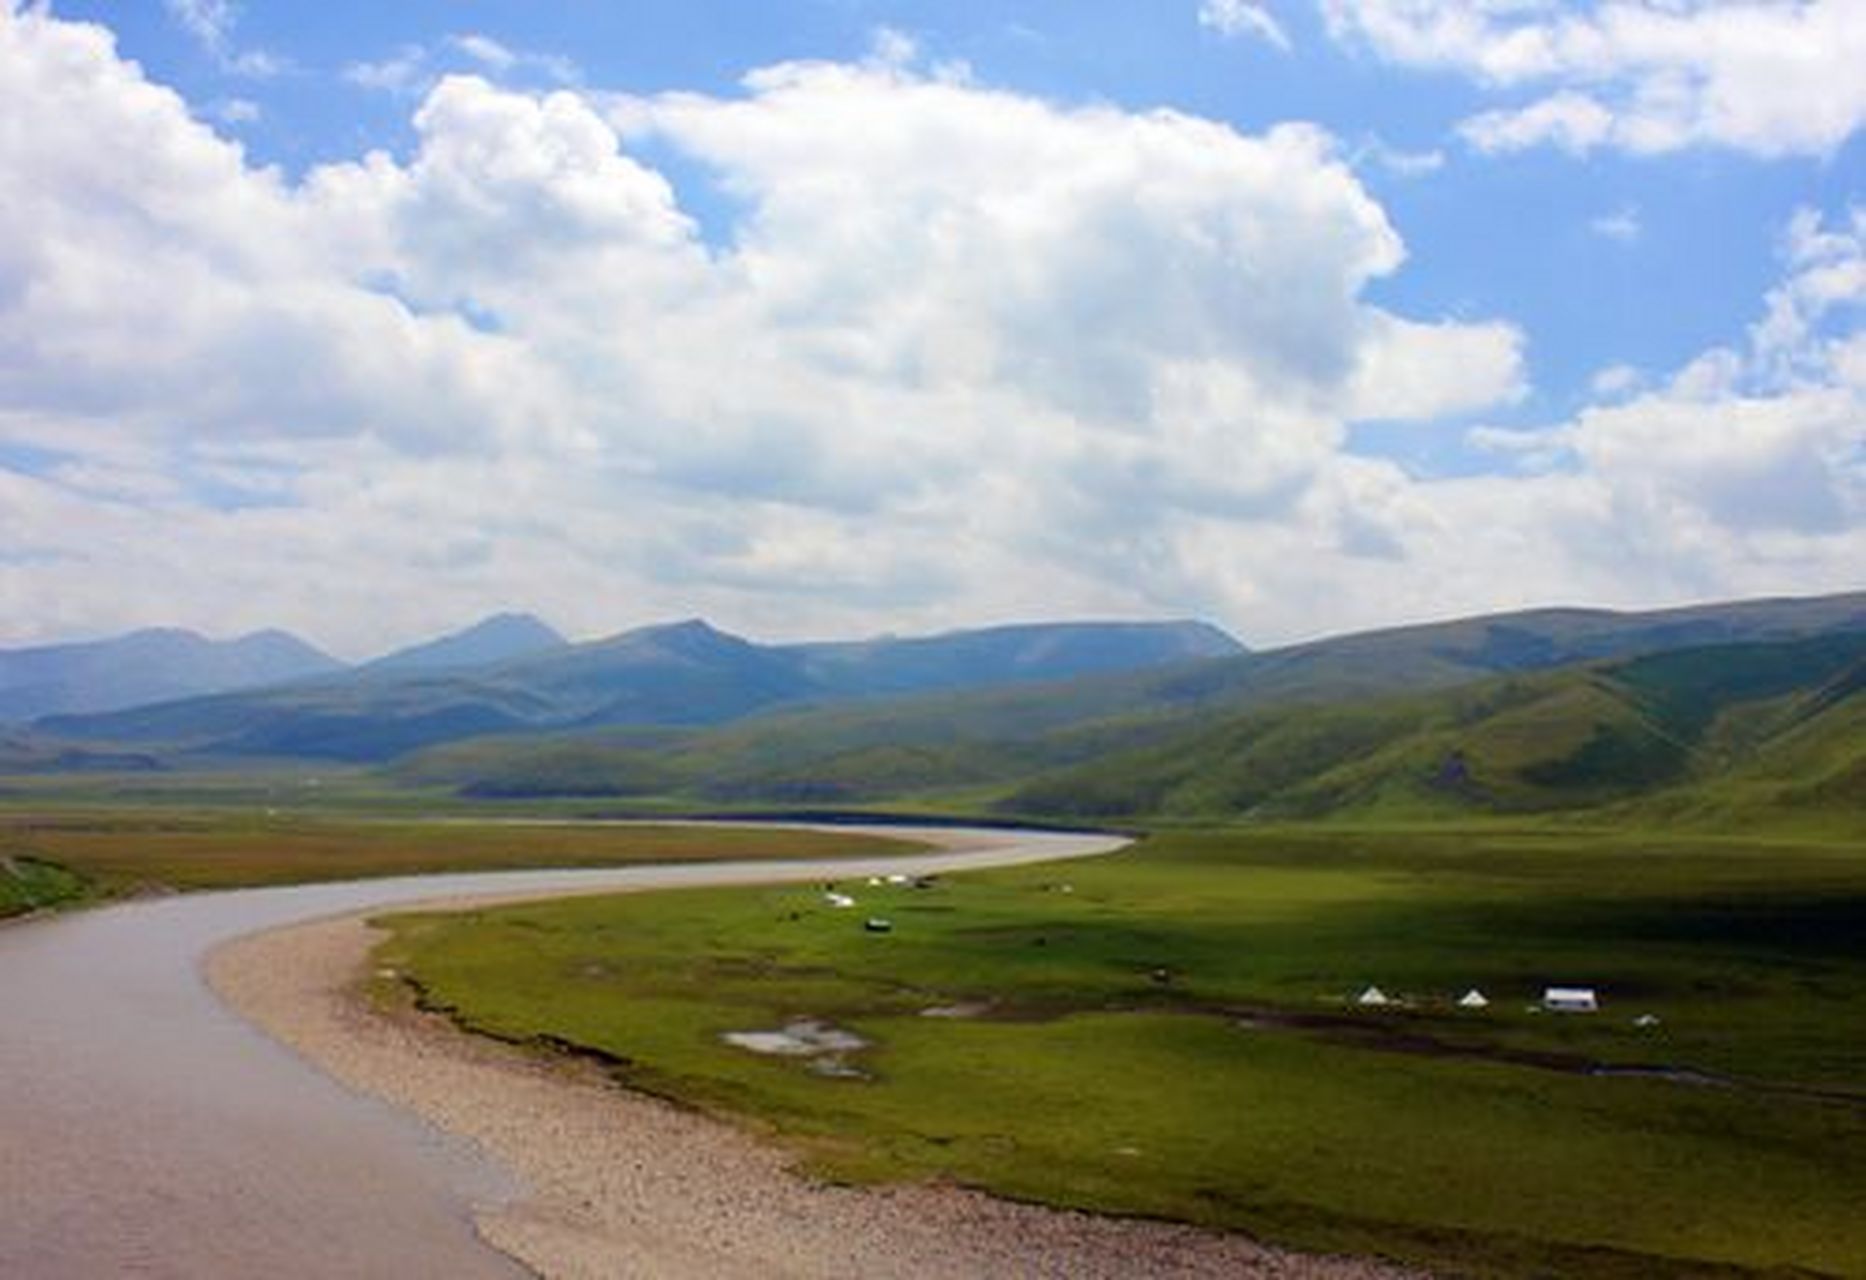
point(211, 23)
point(1623, 225)
point(208, 21)
point(1614, 381)
point(1423, 371)
point(892, 47)
point(1744, 462)
point(502, 59)
point(413, 69)
point(1398, 161)
point(983, 358)
point(404, 71)
point(1572, 121)
point(1241, 18)
point(235, 111)
point(1771, 77)
point(486, 50)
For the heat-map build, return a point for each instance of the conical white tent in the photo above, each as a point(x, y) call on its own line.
point(1374, 996)
point(1473, 999)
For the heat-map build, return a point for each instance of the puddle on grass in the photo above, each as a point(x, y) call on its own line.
point(826, 1047)
point(968, 1009)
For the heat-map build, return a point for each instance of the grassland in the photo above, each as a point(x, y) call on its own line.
point(64, 856)
point(1170, 1032)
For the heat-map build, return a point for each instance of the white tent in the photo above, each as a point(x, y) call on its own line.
point(1473, 999)
point(1570, 1000)
point(1374, 996)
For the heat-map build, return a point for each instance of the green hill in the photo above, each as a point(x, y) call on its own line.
point(1548, 711)
point(1756, 729)
point(1350, 723)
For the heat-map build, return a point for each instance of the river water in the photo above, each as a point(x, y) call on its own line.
point(147, 1130)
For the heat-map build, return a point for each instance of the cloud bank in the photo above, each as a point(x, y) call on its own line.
point(1767, 77)
point(983, 358)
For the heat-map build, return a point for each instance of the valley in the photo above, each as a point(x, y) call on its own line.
point(1668, 810)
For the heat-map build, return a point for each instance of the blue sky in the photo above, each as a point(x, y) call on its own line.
point(1304, 315)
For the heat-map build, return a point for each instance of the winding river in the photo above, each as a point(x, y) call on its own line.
point(147, 1130)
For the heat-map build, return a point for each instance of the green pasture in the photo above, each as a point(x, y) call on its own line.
point(1170, 1032)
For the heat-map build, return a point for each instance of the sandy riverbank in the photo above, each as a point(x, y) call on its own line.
point(624, 1185)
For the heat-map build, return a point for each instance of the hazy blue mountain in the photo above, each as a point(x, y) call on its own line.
point(681, 673)
point(499, 638)
point(1008, 655)
point(871, 705)
point(685, 673)
point(147, 666)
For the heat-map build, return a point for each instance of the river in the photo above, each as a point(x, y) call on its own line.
point(147, 1130)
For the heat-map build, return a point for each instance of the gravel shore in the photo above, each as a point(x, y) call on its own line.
point(623, 1185)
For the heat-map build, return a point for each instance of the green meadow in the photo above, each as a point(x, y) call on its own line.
point(1171, 1032)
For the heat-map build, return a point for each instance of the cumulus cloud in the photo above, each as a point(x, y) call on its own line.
point(1748, 459)
point(984, 358)
point(1771, 77)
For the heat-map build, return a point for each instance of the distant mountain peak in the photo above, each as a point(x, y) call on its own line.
point(688, 637)
point(149, 665)
point(500, 637)
point(683, 627)
point(1010, 653)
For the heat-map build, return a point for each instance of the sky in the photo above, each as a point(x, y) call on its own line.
point(833, 318)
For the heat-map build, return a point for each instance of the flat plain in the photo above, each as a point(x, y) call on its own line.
point(1173, 1032)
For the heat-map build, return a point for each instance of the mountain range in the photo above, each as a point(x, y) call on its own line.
point(1157, 741)
point(1732, 710)
point(508, 675)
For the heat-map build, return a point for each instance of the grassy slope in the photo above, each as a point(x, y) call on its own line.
point(1094, 1082)
point(1761, 718)
point(1774, 731)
